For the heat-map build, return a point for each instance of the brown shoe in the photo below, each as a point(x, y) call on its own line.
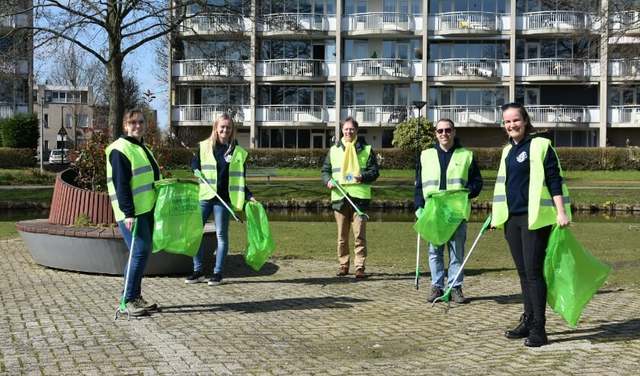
point(360, 273)
point(344, 270)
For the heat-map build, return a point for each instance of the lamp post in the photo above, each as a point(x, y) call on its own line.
point(62, 135)
point(419, 105)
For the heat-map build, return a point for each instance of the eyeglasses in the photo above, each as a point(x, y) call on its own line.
point(444, 130)
point(506, 106)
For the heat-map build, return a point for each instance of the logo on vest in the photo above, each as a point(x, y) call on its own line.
point(521, 157)
point(228, 158)
point(348, 178)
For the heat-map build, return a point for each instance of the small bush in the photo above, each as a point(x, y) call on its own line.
point(405, 135)
point(17, 158)
point(20, 131)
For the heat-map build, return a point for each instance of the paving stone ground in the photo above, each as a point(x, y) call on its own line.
point(296, 320)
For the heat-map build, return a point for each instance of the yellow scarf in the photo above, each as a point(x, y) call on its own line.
point(350, 166)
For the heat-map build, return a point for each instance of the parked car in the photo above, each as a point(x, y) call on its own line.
point(58, 156)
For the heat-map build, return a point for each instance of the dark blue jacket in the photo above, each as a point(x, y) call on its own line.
point(474, 180)
point(517, 184)
point(121, 174)
point(222, 182)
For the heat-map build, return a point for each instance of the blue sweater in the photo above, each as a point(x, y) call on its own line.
point(222, 183)
point(474, 180)
point(121, 175)
point(518, 168)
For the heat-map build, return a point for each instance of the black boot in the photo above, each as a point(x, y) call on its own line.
point(520, 331)
point(537, 335)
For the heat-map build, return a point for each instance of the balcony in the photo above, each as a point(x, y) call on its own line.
point(555, 22)
point(378, 23)
point(468, 116)
point(294, 23)
point(378, 115)
point(19, 67)
point(627, 22)
point(624, 116)
point(467, 23)
point(294, 114)
point(7, 110)
point(208, 70)
point(564, 116)
point(205, 115)
point(293, 69)
point(474, 70)
point(558, 69)
point(11, 22)
point(378, 70)
point(215, 23)
point(627, 69)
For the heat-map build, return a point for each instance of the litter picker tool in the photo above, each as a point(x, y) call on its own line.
point(360, 213)
point(446, 297)
point(418, 263)
point(122, 307)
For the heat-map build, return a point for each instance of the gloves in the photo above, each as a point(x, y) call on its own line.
point(418, 212)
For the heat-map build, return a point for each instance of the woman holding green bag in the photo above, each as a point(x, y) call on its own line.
point(529, 197)
point(222, 163)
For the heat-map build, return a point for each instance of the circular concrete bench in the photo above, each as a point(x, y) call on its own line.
point(98, 249)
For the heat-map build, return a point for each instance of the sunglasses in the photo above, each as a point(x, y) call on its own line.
point(444, 130)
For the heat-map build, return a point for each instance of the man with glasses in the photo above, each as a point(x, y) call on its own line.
point(446, 166)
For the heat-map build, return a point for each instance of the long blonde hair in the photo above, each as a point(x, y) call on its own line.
point(214, 133)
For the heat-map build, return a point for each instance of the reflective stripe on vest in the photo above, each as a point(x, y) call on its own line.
point(144, 196)
point(358, 190)
point(457, 171)
point(541, 209)
point(236, 174)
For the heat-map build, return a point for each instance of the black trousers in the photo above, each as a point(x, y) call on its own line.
point(528, 251)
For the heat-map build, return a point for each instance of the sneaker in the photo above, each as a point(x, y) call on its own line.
point(457, 296)
point(136, 309)
point(344, 270)
point(151, 307)
point(196, 277)
point(215, 280)
point(360, 273)
point(436, 292)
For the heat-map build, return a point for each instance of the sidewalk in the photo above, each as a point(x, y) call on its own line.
point(296, 320)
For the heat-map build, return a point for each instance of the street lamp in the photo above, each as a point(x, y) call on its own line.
point(62, 135)
point(419, 105)
point(43, 98)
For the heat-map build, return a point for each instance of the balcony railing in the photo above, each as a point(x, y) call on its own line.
point(379, 67)
point(624, 67)
point(294, 21)
point(6, 111)
point(629, 114)
point(468, 115)
point(556, 21)
point(481, 68)
point(17, 20)
point(379, 22)
point(626, 21)
point(293, 113)
point(295, 67)
point(210, 68)
point(558, 67)
point(467, 22)
point(379, 114)
point(206, 114)
point(561, 114)
point(214, 23)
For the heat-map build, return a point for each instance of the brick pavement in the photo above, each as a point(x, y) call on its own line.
point(297, 321)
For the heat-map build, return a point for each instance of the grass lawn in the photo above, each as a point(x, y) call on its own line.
point(31, 176)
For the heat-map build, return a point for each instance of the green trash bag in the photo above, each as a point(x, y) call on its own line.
point(259, 240)
point(572, 275)
point(442, 214)
point(177, 219)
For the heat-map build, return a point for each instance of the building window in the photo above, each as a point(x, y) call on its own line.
point(46, 121)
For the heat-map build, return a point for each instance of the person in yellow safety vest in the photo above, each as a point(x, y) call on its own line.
point(446, 166)
point(131, 171)
point(529, 197)
point(353, 164)
point(222, 163)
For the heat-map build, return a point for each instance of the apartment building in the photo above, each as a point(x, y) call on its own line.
point(16, 61)
point(64, 108)
point(290, 71)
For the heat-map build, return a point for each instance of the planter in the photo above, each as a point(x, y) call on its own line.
point(69, 202)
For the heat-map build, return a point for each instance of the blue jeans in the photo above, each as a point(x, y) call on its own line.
point(456, 255)
point(221, 218)
point(140, 254)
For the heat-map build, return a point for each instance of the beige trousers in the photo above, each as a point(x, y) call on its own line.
point(347, 218)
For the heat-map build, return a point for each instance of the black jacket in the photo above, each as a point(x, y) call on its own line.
point(474, 180)
point(369, 174)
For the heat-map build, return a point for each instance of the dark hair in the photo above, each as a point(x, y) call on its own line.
point(129, 113)
point(528, 128)
point(352, 120)
point(446, 120)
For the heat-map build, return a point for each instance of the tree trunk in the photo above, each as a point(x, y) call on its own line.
point(116, 100)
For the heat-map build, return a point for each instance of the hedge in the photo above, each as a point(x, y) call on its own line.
point(488, 158)
point(17, 158)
